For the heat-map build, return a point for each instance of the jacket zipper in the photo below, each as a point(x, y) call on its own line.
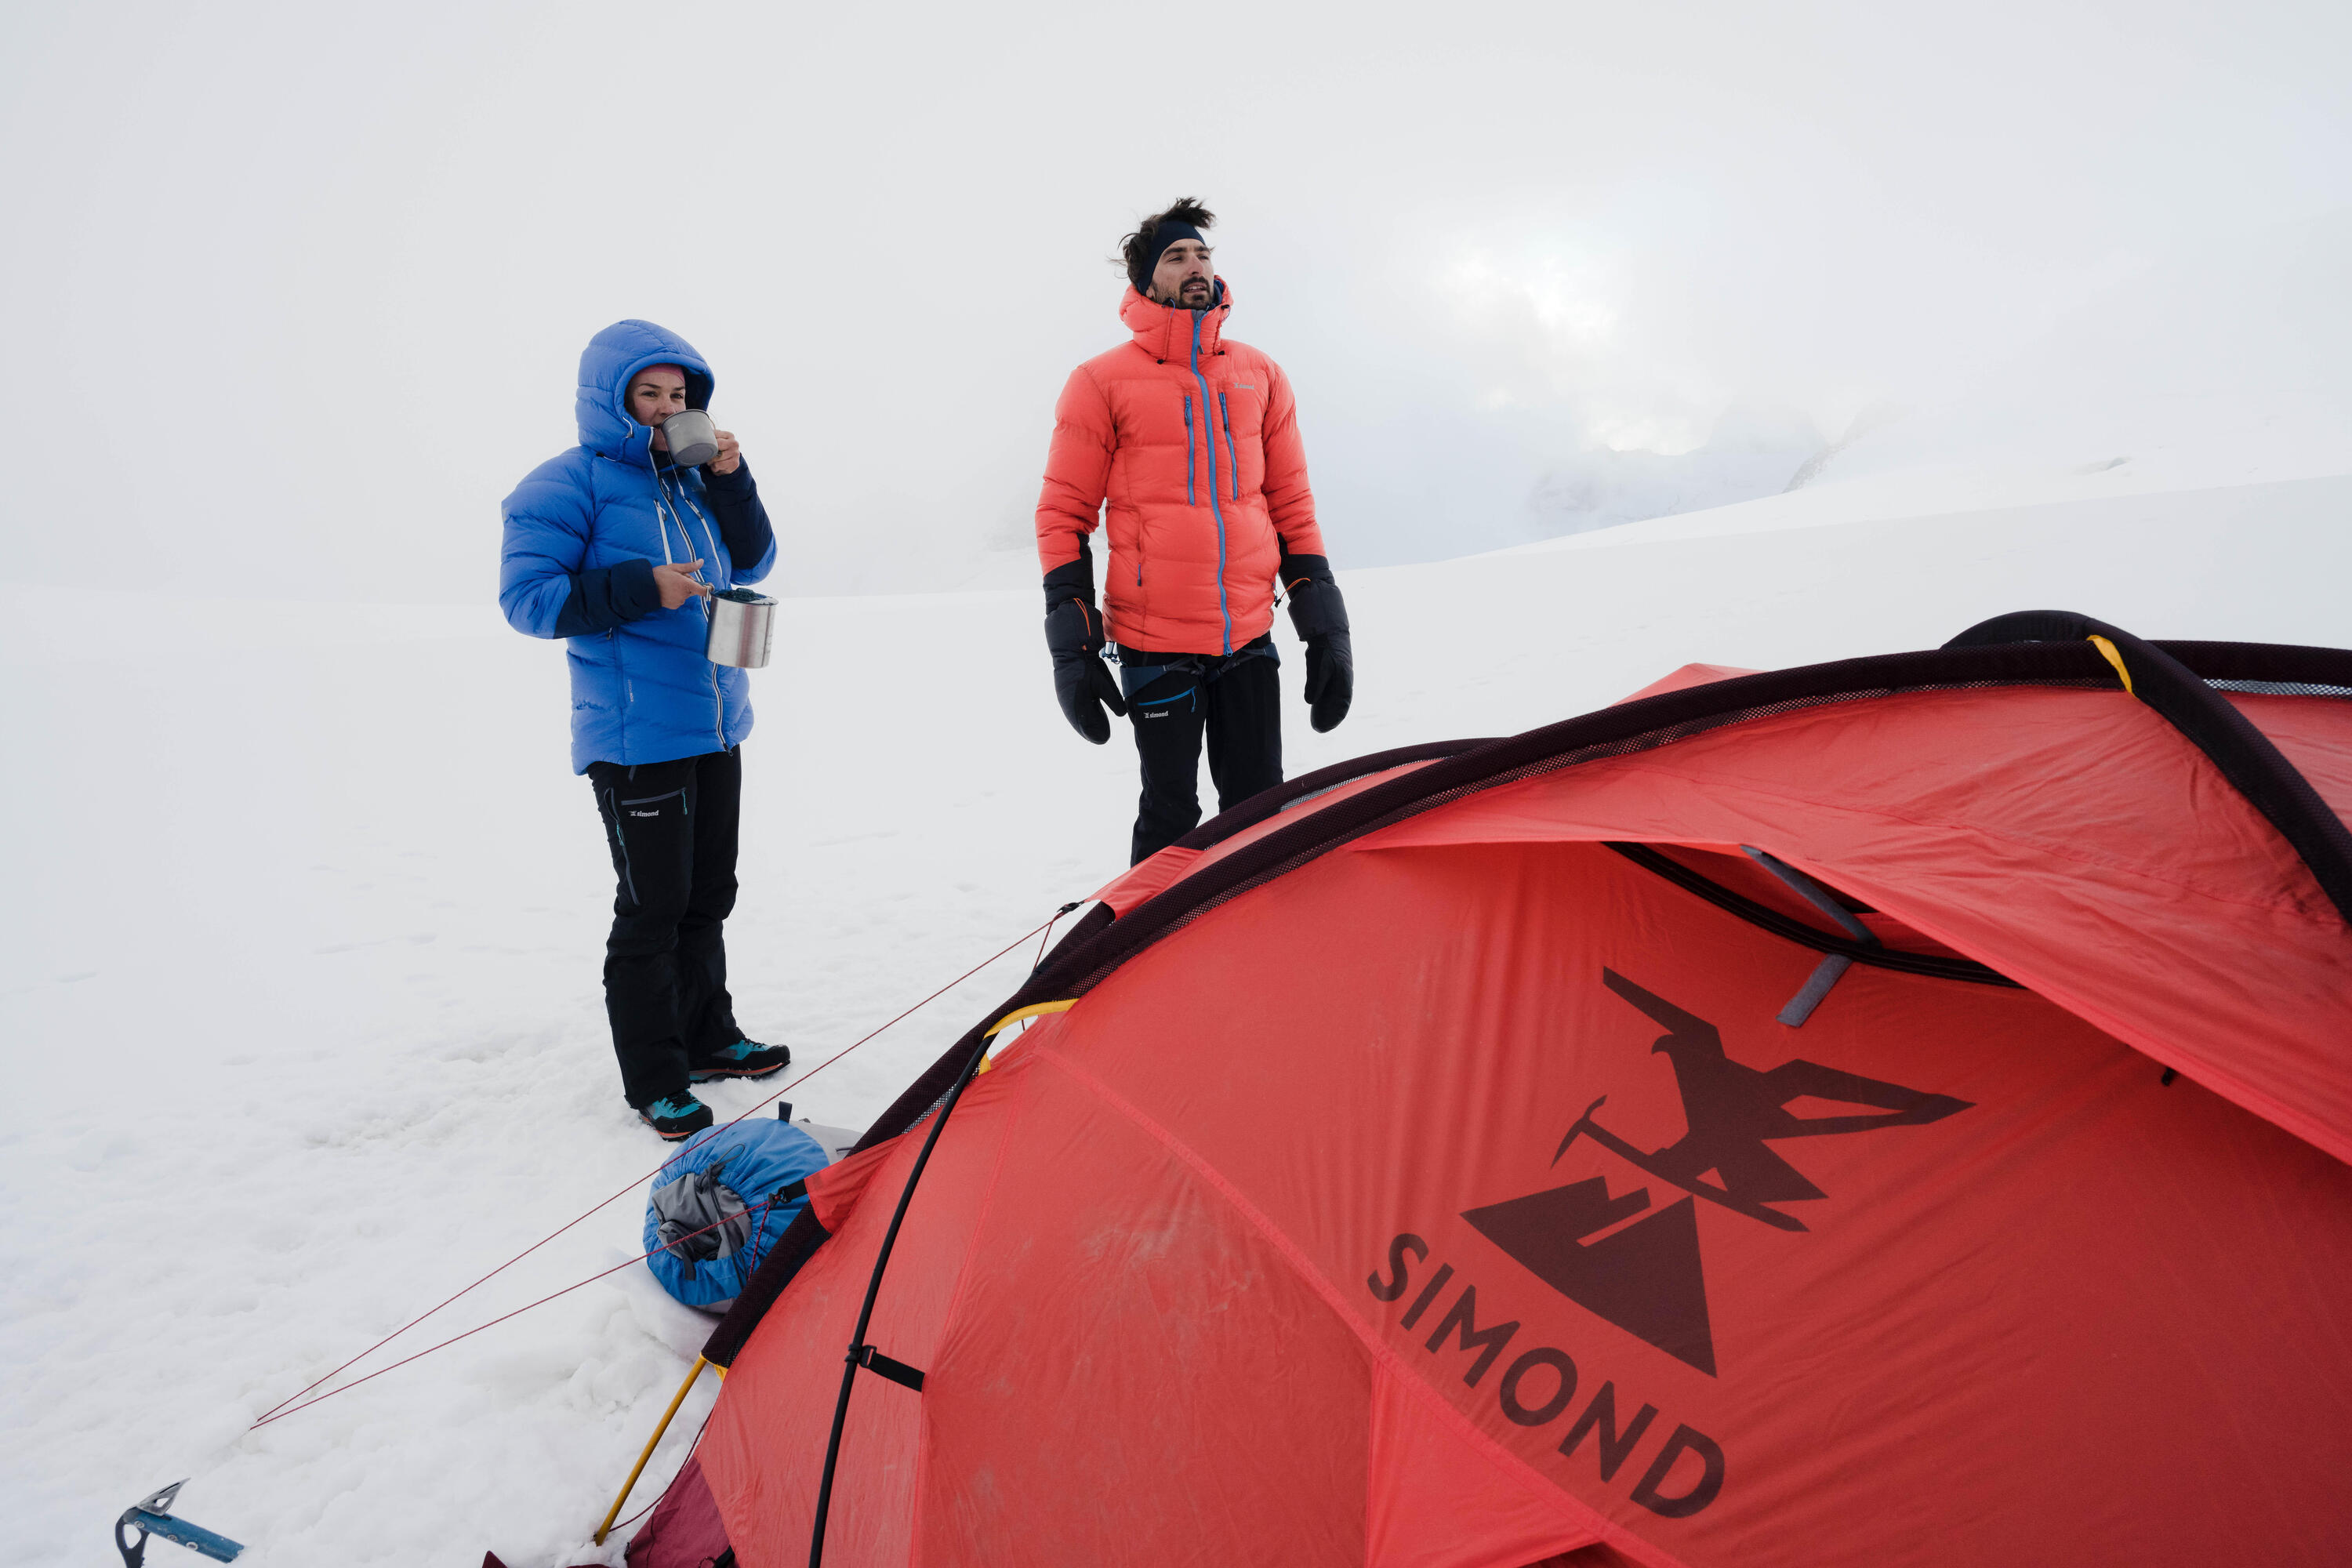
point(1224, 611)
point(1226, 409)
point(718, 698)
point(720, 572)
point(1189, 499)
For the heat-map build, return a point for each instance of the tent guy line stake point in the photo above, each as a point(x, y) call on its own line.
point(281, 1414)
point(638, 1468)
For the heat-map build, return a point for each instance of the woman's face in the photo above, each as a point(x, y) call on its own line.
point(656, 393)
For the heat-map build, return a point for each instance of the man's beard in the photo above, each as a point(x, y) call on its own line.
point(1192, 294)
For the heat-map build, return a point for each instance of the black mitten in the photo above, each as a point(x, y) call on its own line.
point(1073, 633)
point(1319, 615)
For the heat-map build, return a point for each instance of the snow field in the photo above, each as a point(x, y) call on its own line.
point(301, 1003)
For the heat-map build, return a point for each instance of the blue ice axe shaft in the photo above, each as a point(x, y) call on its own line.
point(148, 1517)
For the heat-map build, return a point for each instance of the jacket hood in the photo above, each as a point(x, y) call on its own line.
point(1165, 331)
point(611, 358)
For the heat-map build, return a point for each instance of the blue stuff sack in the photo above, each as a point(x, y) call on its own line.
point(717, 1208)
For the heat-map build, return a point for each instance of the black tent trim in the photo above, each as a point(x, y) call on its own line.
point(1307, 786)
point(2034, 648)
point(2183, 697)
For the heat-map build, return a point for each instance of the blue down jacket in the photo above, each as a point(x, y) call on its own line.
point(584, 533)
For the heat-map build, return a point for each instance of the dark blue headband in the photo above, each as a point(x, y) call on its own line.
point(1168, 232)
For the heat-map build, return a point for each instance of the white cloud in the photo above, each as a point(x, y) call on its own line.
point(260, 238)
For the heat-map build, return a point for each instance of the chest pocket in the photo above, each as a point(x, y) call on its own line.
point(628, 522)
point(1240, 424)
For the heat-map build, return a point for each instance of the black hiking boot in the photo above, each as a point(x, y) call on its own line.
point(675, 1116)
point(744, 1058)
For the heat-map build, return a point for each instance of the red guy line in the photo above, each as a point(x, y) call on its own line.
point(274, 1411)
point(469, 1333)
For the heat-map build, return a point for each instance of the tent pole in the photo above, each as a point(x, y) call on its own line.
point(639, 1468)
point(858, 1346)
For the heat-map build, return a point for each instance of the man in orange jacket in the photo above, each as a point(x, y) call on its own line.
point(1192, 439)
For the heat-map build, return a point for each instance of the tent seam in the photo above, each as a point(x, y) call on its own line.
point(2215, 1076)
point(1609, 1529)
point(1382, 1370)
point(2032, 975)
point(1635, 743)
point(2055, 849)
point(1367, 844)
point(1016, 1109)
point(1718, 704)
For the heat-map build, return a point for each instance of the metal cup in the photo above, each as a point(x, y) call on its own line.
point(693, 438)
point(742, 628)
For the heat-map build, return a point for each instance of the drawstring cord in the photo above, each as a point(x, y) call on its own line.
point(699, 516)
point(665, 513)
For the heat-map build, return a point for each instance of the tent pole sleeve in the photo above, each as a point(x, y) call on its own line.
point(639, 1468)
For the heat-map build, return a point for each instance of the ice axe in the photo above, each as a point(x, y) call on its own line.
point(151, 1516)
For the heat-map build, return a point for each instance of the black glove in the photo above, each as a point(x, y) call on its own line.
point(1074, 632)
point(1319, 617)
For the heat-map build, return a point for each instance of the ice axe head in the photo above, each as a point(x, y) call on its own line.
point(152, 1515)
point(155, 1503)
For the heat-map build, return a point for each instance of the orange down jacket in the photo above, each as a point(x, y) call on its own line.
point(1192, 438)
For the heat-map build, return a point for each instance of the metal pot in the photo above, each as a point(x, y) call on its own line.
point(742, 628)
point(693, 438)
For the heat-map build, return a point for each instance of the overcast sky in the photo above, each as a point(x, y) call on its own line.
point(296, 292)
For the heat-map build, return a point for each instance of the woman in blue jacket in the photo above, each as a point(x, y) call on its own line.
point(616, 550)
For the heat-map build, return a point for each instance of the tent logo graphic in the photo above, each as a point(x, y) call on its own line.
point(1645, 1278)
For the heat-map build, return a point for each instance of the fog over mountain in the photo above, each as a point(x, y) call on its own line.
point(302, 289)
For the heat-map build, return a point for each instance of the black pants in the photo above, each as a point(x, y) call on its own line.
point(671, 827)
point(1173, 700)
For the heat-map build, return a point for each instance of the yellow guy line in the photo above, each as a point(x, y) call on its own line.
point(2107, 651)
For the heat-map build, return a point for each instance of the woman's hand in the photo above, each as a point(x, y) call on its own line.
point(731, 454)
point(678, 585)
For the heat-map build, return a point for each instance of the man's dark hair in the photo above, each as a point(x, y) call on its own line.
point(1139, 250)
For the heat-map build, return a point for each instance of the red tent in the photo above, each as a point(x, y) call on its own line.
point(1891, 1112)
